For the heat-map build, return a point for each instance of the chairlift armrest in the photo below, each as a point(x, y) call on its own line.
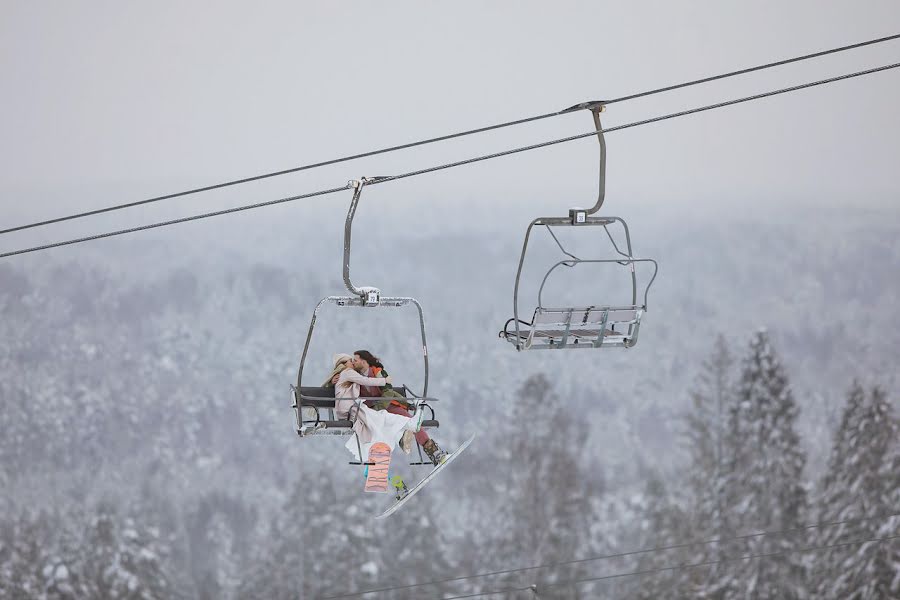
point(506, 325)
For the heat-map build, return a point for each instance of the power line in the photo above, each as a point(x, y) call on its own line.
point(464, 162)
point(676, 567)
point(442, 137)
point(621, 555)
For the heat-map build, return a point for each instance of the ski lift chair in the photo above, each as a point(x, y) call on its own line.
point(314, 406)
point(597, 325)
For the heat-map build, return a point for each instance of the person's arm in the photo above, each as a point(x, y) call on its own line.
point(354, 377)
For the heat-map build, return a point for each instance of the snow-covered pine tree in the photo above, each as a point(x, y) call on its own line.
point(121, 560)
point(863, 481)
point(413, 548)
point(545, 514)
point(301, 557)
point(665, 524)
point(705, 423)
point(704, 432)
point(764, 487)
point(27, 562)
point(216, 533)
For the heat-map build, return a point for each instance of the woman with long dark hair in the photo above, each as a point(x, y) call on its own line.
point(369, 425)
point(386, 398)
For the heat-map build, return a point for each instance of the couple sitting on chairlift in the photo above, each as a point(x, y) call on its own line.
point(364, 395)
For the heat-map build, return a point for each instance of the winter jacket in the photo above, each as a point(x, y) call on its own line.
point(387, 394)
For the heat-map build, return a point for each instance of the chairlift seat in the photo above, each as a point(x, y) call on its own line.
point(315, 411)
point(578, 327)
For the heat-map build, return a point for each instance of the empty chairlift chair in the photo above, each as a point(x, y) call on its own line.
point(593, 324)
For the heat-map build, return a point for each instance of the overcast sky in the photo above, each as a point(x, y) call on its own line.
point(108, 102)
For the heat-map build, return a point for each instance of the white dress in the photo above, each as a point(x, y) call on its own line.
point(371, 426)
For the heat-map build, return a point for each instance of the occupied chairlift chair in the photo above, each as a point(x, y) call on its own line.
point(315, 405)
point(587, 326)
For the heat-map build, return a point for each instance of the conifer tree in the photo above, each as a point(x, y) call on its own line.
point(121, 560)
point(306, 544)
point(24, 556)
point(711, 397)
point(666, 524)
point(705, 424)
point(863, 481)
point(764, 483)
point(545, 514)
point(413, 548)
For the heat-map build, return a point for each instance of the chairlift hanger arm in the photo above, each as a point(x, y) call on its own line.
point(357, 186)
point(601, 193)
point(596, 107)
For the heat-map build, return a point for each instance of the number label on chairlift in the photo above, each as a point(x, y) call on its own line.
point(372, 298)
point(578, 216)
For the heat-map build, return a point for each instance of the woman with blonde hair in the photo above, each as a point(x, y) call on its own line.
point(369, 425)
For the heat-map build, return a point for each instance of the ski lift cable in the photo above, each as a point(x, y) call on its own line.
point(468, 161)
point(752, 69)
point(307, 167)
point(624, 554)
point(635, 124)
point(441, 138)
point(175, 221)
point(678, 567)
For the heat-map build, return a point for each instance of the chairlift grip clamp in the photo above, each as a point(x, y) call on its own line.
point(370, 296)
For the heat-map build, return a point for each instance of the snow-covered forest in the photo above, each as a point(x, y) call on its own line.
point(148, 449)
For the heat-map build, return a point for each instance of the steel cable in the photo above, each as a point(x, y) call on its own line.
point(752, 69)
point(676, 567)
point(277, 173)
point(175, 221)
point(621, 555)
point(439, 138)
point(634, 124)
point(469, 160)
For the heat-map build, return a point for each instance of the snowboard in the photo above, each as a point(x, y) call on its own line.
point(377, 478)
point(412, 492)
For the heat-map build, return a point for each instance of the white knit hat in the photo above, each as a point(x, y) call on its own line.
point(340, 362)
point(339, 359)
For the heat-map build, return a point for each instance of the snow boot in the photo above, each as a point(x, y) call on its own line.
point(435, 453)
point(400, 489)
